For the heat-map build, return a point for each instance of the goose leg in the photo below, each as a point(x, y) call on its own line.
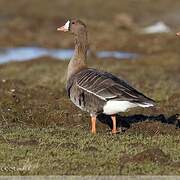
point(93, 124)
point(114, 130)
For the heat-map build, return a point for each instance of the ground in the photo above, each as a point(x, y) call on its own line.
point(43, 133)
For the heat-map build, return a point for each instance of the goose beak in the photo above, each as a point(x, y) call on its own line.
point(64, 28)
point(178, 34)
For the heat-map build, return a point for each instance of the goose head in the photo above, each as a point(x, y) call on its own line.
point(75, 26)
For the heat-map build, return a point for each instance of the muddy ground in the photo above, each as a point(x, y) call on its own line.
point(43, 133)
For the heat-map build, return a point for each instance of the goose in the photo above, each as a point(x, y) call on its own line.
point(96, 91)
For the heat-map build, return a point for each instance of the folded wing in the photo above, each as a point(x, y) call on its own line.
point(108, 87)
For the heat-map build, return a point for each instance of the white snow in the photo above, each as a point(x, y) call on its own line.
point(158, 27)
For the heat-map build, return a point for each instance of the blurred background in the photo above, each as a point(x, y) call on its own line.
point(112, 25)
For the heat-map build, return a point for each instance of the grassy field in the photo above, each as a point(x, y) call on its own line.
point(43, 133)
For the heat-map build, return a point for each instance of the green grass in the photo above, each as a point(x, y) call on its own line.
point(60, 151)
point(42, 133)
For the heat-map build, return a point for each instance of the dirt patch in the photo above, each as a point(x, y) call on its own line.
point(155, 155)
point(143, 124)
point(152, 128)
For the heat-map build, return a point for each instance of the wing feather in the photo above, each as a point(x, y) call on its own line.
point(107, 86)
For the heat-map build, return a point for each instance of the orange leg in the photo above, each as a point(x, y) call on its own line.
point(114, 130)
point(93, 124)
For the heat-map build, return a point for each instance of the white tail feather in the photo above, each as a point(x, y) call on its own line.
point(114, 107)
point(145, 105)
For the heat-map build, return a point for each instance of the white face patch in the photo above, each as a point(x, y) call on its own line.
point(66, 26)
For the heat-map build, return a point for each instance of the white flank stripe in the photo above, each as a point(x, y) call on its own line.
point(145, 105)
point(91, 92)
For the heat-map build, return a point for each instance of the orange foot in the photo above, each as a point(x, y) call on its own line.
point(117, 131)
point(93, 131)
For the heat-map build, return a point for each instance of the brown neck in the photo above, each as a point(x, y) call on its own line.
point(78, 61)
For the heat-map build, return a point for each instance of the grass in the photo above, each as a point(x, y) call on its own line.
point(56, 150)
point(42, 133)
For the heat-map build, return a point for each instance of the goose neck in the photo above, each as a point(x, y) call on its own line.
point(78, 61)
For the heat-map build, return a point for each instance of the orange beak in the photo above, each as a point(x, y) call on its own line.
point(178, 34)
point(64, 28)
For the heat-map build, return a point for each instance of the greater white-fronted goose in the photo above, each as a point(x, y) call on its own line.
point(96, 91)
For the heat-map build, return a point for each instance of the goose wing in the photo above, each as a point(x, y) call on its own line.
point(108, 87)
